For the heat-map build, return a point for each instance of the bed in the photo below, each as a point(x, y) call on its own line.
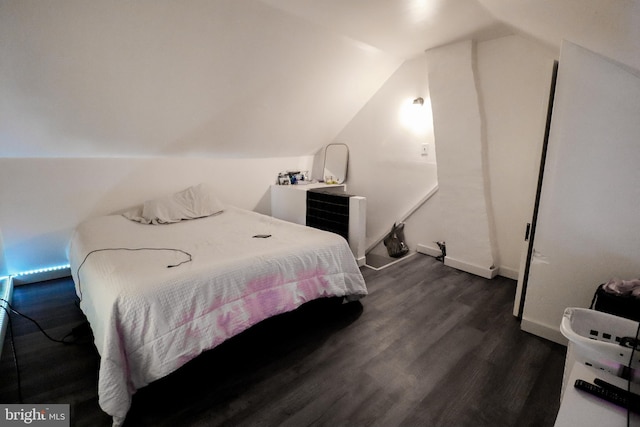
point(158, 293)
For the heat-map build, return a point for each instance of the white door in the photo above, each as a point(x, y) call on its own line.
point(529, 228)
point(587, 230)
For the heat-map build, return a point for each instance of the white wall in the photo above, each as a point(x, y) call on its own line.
point(508, 79)
point(462, 167)
point(42, 200)
point(385, 161)
point(514, 80)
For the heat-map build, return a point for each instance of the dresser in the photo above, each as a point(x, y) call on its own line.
point(324, 206)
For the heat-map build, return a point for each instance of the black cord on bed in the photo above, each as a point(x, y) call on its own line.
point(130, 249)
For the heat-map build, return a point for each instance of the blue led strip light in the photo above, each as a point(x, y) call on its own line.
point(43, 270)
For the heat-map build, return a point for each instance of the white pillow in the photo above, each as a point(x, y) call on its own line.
point(194, 202)
point(135, 214)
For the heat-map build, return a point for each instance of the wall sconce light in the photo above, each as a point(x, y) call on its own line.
point(415, 115)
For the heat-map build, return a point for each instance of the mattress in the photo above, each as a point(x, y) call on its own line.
point(156, 296)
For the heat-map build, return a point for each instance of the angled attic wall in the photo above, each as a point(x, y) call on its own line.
point(512, 77)
point(512, 84)
point(385, 161)
point(462, 169)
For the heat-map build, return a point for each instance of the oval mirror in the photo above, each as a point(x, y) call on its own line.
point(336, 158)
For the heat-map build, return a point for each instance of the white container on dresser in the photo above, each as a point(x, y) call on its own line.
point(289, 202)
point(602, 349)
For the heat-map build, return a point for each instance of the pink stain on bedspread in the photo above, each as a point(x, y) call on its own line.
point(271, 295)
point(193, 332)
point(262, 298)
point(312, 284)
point(266, 296)
point(190, 316)
point(265, 282)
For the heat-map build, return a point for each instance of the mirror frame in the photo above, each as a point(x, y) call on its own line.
point(342, 162)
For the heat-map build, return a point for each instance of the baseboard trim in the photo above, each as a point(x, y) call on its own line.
point(6, 292)
point(487, 273)
point(390, 263)
point(428, 250)
point(509, 273)
point(544, 331)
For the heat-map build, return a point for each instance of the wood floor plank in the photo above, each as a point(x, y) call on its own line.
point(429, 346)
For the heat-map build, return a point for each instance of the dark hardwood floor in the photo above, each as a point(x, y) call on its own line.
point(430, 346)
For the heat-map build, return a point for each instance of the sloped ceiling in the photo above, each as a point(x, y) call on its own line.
point(404, 28)
point(409, 27)
point(233, 78)
point(237, 78)
point(609, 27)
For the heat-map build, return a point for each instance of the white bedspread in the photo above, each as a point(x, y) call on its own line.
point(149, 319)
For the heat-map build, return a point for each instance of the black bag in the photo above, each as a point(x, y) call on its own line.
point(396, 247)
point(619, 305)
